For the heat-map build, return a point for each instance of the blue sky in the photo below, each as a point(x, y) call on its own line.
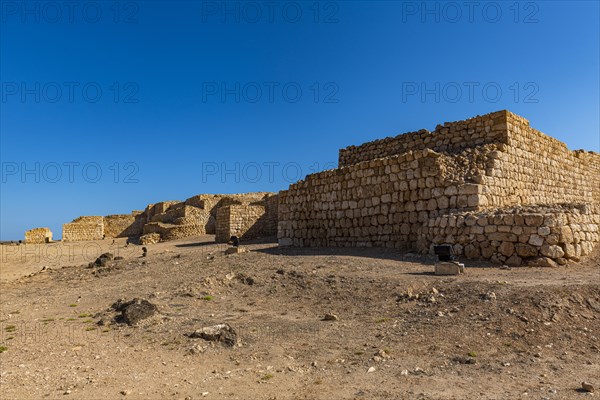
point(106, 107)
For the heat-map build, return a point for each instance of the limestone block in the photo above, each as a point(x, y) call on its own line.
point(552, 251)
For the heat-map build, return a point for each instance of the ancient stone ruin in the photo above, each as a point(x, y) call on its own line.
point(247, 221)
point(492, 186)
point(198, 215)
point(98, 228)
point(38, 235)
point(248, 215)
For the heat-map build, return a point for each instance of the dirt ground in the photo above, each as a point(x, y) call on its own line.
point(399, 332)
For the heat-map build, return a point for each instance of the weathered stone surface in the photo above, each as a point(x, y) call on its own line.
point(543, 262)
point(526, 250)
point(38, 235)
point(536, 240)
point(552, 251)
point(149, 238)
point(507, 249)
point(514, 261)
point(447, 268)
point(223, 333)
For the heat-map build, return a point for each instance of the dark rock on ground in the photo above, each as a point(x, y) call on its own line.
point(101, 261)
point(134, 310)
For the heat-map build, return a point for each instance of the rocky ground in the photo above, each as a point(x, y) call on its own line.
point(292, 324)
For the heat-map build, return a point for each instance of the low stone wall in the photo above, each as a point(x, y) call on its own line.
point(519, 235)
point(124, 225)
point(173, 232)
point(38, 235)
point(84, 228)
point(243, 221)
point(149, 238)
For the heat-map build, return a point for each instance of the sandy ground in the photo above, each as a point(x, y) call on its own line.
point(401, 332)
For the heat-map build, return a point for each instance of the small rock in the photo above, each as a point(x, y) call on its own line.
point(236, 250)
point(102, 260)
point(404, 372)
point(330, 317)
point(544, 262)
point(489, 296)
point(587, 387)
point(217, 333)
point(371, 369)
point(125, 392)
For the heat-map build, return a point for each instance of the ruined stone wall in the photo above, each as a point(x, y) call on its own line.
point(519, 165)
point(382, 202)
point(197, 215)
point(243, 221)
point(534, 168)
point(124, 225)
point(487, 164)
point(84, 228)
point(173, 232)
point(517, 235)
point(450, 138)
point(38, 235)
point(271, 215)
point(158, 208)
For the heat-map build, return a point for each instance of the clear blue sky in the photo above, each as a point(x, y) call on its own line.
point(171, 93)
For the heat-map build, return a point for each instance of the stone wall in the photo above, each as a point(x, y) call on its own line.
point(515, 235)
point(516, 163)
point(124, 225)
point(450, 137)
point(84, 228)
point(173, 232)
point(171, 219)
point(533, 168)
point(38, 235)
point(387, 193)
point(258, 218)
point(198, 214)
point(243, 221)
point(382, 202)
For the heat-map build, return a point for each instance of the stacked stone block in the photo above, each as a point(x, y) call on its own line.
point(38, 235)
point(243, 221)
point(124, 225)
point(84, 228)
point(198, 215)
point(561, 233)
point(415, 190)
